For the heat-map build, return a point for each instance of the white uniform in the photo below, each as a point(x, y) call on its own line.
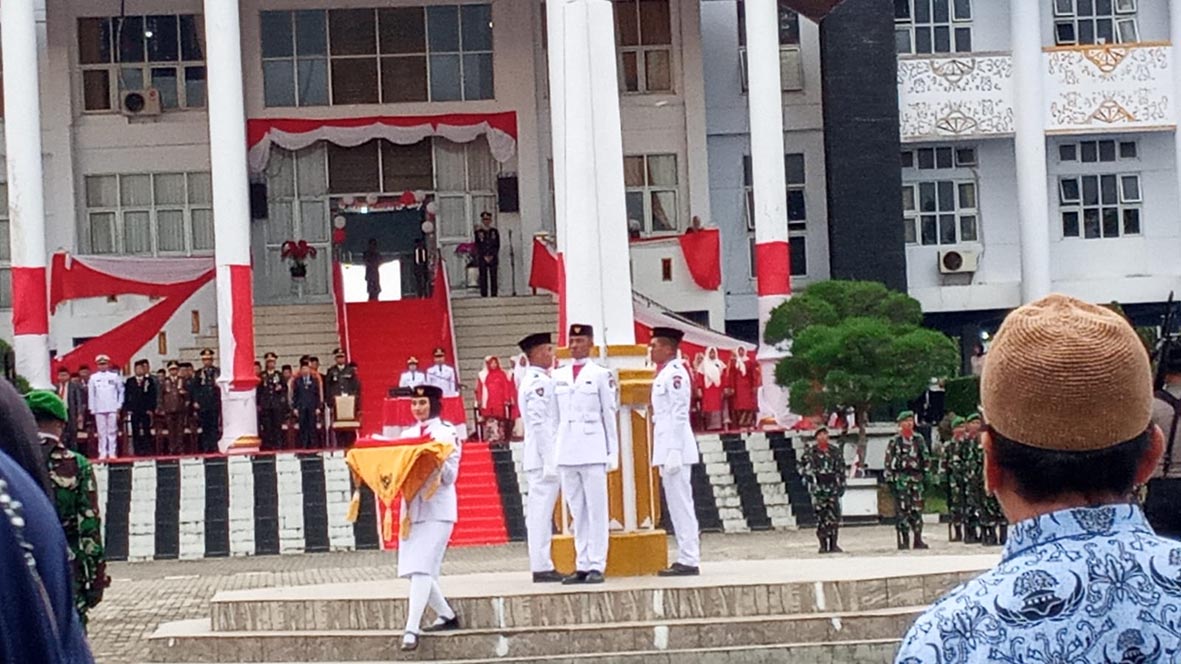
point(674, 451)
point(443, 377)
point(539, 410)
point(412, 379)
point(588, 442)
point(431, 519)
point(105, 392)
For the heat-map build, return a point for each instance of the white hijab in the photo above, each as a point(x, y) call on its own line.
point(740, 359)
point(712, 368)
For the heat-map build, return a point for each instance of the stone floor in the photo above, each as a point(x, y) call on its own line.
point(143, 595)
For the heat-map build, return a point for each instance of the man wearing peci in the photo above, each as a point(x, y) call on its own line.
point(588, 448)
point(539, 409)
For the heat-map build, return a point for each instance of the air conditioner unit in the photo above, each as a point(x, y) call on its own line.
point(140, 103)
point(958, 261)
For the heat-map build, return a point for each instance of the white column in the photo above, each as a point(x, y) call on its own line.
point(1033, 198)
point(556, 59)
point(26, 196)
point(593, 211)
point(231, 214)
point(769, 180)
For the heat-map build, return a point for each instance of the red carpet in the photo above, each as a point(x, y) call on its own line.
point(481, 514)
point(381, 335)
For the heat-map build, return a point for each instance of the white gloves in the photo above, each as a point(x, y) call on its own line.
point(674, 463)
point(612, 462)
point(549, 470)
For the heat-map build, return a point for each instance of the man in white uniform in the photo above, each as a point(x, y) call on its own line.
point(105, 393)
point(432, 518)
point(442, 375)
point(539, 409)
point(674, 448)
point(588, 448)
point(412, 377)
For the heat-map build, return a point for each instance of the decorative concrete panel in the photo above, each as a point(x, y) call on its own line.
point(962, 96)
point(1110, 87)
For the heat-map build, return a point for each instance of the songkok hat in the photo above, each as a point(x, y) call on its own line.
point(46, 403)
point(534, 340)
point(173, 365)
point(670, 333)
point(142, 363)
point(270, 356)
point(958, 422)
point(1066, 375)
point(429, 391)
point(905, 415)
point(581, 330)
point(208, 352)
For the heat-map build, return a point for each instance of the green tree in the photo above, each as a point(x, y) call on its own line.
point(856, 344)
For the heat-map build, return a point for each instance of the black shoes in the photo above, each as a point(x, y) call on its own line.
point(919, 544)
point(575, 578)
point(445, 625)
point(903, 540)
point(832, 545)
point(548, 577)
point(677, 569)
point(594, 577)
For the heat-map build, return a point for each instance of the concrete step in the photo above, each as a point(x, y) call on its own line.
point(194, 640)
point(874, 651)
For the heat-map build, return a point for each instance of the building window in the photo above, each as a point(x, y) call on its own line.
point(370, 56)
point(797, 209)
point(791, 71)
point(935, 158)
point(933, 26)
point(165, 52)
point(1095, 22)
point(643, 31)
point(5, 252)
point(1092, 152)
point(149, 214)
point(651, 182)
point(940, 212)
point(1100, 206)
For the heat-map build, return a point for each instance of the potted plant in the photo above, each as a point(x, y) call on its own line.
point(468, 250)
point(298, 253)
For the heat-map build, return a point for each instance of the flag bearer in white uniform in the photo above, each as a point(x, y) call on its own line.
point(539, 409)
point(420, 555)
point(674, 448)
point(588, 448)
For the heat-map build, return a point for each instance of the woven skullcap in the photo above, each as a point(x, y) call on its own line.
point(1066, 375)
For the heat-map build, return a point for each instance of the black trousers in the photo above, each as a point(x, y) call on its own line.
point(488, 280)
point(307, 428)
point(141, 433)
point(422, 281)
point(210, 421)
point(271, 428)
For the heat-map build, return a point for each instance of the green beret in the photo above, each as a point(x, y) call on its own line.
point(974, 417)
point(45, 403)
point(958, 422)
point(905, 415)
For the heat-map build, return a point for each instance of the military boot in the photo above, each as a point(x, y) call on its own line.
point(832, 544)
point(823, 543)
point(1004, 533)
point(919, 544)
point(903, 540)
point(989, 538)
point(971, 535)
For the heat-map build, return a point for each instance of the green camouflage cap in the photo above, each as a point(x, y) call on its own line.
point(905, 415)
point(958, 422)
point(974, 417)
point(46, 403)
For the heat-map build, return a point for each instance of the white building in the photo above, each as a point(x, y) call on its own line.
point(988, 221)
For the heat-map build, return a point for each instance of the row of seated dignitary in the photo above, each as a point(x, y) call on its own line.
point(572, 442)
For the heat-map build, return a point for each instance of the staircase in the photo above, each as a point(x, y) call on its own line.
point(493, 326)
point(289, 331)
point(737, 611)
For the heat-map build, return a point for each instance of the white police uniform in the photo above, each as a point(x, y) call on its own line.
point(443, 377)
point(588, 446)
point(105, 394)
point(433, 518)
point(412, 379)
point(539, 409)
point(674, 451)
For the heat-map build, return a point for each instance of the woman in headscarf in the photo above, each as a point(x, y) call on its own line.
point(743, 379)
point(712, 370)
point(695, 379)
point(494, 401)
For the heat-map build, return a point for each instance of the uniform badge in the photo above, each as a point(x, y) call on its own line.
point(676, 382)
point(540, 391)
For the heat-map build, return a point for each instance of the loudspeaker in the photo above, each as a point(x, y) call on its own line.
point(258, 200)
point(506, 194)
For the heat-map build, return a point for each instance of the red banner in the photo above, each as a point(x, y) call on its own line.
point(543, 273)
point(30, 314)
point(702, 250)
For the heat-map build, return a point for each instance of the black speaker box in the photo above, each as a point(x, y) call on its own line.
point(506, 193)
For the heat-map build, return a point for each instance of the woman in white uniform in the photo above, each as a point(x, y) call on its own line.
point(420, 556)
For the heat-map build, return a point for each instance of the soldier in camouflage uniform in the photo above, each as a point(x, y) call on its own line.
point(907, 459)
point(75, 495)
point(972, 461)
point(823, 467)
point(951, 466)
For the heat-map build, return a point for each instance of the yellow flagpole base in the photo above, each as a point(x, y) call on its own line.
point(642, 553)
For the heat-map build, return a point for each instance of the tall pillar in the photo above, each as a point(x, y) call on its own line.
point(26, 196)
point(769, 180)
point(556, 58)
point(1033, 198)
point(231, 215)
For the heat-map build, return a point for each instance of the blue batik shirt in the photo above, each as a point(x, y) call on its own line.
point(1075, 586)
